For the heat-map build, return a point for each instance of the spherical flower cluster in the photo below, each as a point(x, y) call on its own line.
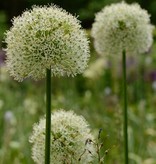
point(69, 134)
point(121, 27)
point(46, 37)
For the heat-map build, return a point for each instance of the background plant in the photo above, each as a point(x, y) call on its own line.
point(122, 29)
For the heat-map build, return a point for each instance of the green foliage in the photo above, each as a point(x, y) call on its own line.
point(3, 26)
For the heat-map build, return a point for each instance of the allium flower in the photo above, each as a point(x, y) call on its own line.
point(69, 134)
point(46, 37)
point(121, 27)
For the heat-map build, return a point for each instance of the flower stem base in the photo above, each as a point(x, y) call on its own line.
point(125, 106)
point(48, 116)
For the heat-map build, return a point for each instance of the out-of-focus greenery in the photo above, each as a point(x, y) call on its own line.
point(3, 26)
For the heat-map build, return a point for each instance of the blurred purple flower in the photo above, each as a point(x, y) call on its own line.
point(2, 57)
point(152, 75)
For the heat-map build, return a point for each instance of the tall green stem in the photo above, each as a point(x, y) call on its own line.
point(48, 116)
point(125, 106)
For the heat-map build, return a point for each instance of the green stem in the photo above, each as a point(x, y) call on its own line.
point(48, 116)
point(125, 106)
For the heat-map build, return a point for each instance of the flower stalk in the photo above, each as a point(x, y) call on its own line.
point(122, 29)
point(60, 48)
point(48, 116)
point(125, 106)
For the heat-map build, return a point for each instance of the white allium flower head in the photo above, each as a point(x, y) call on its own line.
point(46, 37)
point(121, 27)
point(69, 133)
